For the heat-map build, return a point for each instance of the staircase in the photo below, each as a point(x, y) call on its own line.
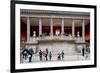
point(58, 47)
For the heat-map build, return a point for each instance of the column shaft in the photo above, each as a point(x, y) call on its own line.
point(40, 26)
point(51, 27)
point(62, 26)
point(73, 28)
point(83, 29)
point(28, 29)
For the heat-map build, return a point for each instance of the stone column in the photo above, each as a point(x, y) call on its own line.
point(51, 27)
point(83, 29)
point(28, 29)
point(73, 28)
point(40, 26)
point(62, 26)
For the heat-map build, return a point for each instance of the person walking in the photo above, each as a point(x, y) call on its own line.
point(30, 57)
point(47, 51)
point(62, 54)
point(59, 56)
point(50, 56)
point(46, 56)
point(83, 50)
point(30, 53)
point(40, 55)
point(25, 52)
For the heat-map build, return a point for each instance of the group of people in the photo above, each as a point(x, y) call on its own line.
point(45, 53)
point(27, 53)
point(61, 55)
point(48, 54)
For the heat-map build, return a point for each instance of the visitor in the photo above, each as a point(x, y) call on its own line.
point(50, 56)
point(62, 54)
point(83, 50)
point(30, 53)
point(40, 55)
point(59, 56)
point(25, 52)
point(30, 57)
point(47, 51)
point(46, 56)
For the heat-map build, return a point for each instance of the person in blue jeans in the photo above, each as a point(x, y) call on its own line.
point(30, 54)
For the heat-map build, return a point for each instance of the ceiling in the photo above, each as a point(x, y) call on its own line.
point(34, 17)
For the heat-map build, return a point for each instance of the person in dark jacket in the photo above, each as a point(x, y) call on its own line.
point(46, 56)
point(47, 51)
point(25, 52)
point(83, 51)
point(62, 54)
point(40, 55)
point(30, 53)
point(59, 57)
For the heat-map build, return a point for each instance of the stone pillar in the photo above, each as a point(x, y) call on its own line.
point(83, 30)
point(62, 26)
point(51, 27)
point(28, 29)
point(40, 26)
point(73, 28)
